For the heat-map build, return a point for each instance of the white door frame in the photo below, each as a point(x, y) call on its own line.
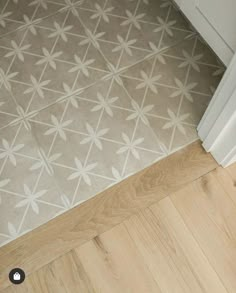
point(217, 129)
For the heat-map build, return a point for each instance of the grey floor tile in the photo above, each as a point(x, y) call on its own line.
point(92, 92)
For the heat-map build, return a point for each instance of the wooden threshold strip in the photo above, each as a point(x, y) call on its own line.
point(111, 207)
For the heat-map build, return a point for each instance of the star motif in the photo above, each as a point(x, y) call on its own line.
point(184, 90)
point(60, 31)
point(71, 6)
point(160, 55)
point(72, 98)
point(37, 86)
point(92, 38)
point(31, 24)
point(6, 77)
point(114, 74)
point(24, 117)
point(148, 82)
point(130, 146)
point(191, 60)
point(45, 162)
point(9, 151)
point(82, 171)
point(140, 112)
point(165, 26)
point(81, 65)
point(31, 199)
point(17, 51)
point(176, 121)
point(104, 104)
point(101, 13)
point(133, 19)
point(124, 45)
point(49, 58)
point(94, 136)
point(58, 127)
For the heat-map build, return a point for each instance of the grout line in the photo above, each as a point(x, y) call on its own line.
point(40, 78)
point(66, 99)
point(119, 71)
point(36, 21)
point(182, 96)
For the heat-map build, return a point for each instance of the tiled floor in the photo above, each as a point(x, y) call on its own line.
point(91, 92)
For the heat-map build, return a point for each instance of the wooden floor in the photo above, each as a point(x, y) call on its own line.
point(183, 242)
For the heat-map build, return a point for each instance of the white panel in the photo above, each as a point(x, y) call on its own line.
point(217, 127)
point(222, 15)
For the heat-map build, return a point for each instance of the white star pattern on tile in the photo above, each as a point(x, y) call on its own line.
point(17, 51)
point(191, 60)
point(140, 112)
point(104, 104)
point(82, 171)
point(81, 65)
point(148, 82)
point(165, 26)
point(37, 86)
point(45, 162)
point(92, 92)
point(60, 31)
point(6, 77)
point(133, 19)
point(184, 90)
point(176, 121)
point(49, 58)
point(92, 38)
point(8, 151)
point(130, 146)
point(102, 12)
point(58, 127)
point(94, 136)
point(124, 45)
point(31, 199)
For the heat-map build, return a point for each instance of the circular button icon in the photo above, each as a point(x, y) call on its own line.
point(17, 276)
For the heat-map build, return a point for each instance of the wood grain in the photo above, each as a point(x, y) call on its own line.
point(152, 251)
point(182, 243)
point(46, 243)
point(210, 215)
point(119, 266)
point(171, 252)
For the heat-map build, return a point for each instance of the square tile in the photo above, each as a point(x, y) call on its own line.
point(92, 92)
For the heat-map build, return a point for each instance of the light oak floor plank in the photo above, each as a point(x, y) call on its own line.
point(114, 265)
point(183, 243)
point(48, 242)
point(210, 215)
point(171, 252)
point(227, 180)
